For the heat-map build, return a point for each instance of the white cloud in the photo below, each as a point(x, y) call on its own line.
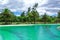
point(51, 13)
point(13, 10)
point(43, 10)
point(4, 2)
point(22, 5)
point(54, 8)
point(30, 3)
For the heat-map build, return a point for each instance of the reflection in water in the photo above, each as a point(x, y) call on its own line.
point(36, 32)
point(51, 33)
point(58, 27)
point(1, 37)
point(18, 33)
point(48, 33)
point(15, 33)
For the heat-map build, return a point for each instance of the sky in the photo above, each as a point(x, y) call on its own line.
point(51, 7)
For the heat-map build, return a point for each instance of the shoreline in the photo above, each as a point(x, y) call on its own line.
point(28, 24)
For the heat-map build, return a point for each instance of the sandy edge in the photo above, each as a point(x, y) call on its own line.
point(28, 24)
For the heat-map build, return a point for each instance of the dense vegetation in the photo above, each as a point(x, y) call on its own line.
point(30, 17)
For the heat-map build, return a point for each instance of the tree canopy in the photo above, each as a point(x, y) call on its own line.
point(7, 16)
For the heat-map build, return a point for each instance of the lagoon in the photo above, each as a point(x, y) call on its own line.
point(30, 32)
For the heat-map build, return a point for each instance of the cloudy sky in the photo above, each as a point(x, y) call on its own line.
point(51, 7)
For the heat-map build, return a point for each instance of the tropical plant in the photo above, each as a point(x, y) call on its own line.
point(7, 16)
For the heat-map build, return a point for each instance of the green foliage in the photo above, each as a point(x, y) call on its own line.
point(58, 17)
point(46, 18)
point(23, 17)
point(6, 16)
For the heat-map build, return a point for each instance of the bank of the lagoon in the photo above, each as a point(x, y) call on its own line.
point(27, 25)
point(30, 32)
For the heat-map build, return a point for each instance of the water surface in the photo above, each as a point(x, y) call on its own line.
point(30, 32)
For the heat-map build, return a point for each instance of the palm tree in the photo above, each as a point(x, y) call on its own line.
point(35, 13)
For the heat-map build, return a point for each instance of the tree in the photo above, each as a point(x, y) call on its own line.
point(7, 16)
point(46, 18)
point(58, 17)
point(54, 19)
point(35, 15)
point(29, 15)
point(34, 12)
point(35, 6)
point(23, 17)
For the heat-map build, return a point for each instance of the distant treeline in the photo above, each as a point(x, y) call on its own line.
point(31, 16)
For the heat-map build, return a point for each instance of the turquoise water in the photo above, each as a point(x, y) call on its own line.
point(31, 32)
